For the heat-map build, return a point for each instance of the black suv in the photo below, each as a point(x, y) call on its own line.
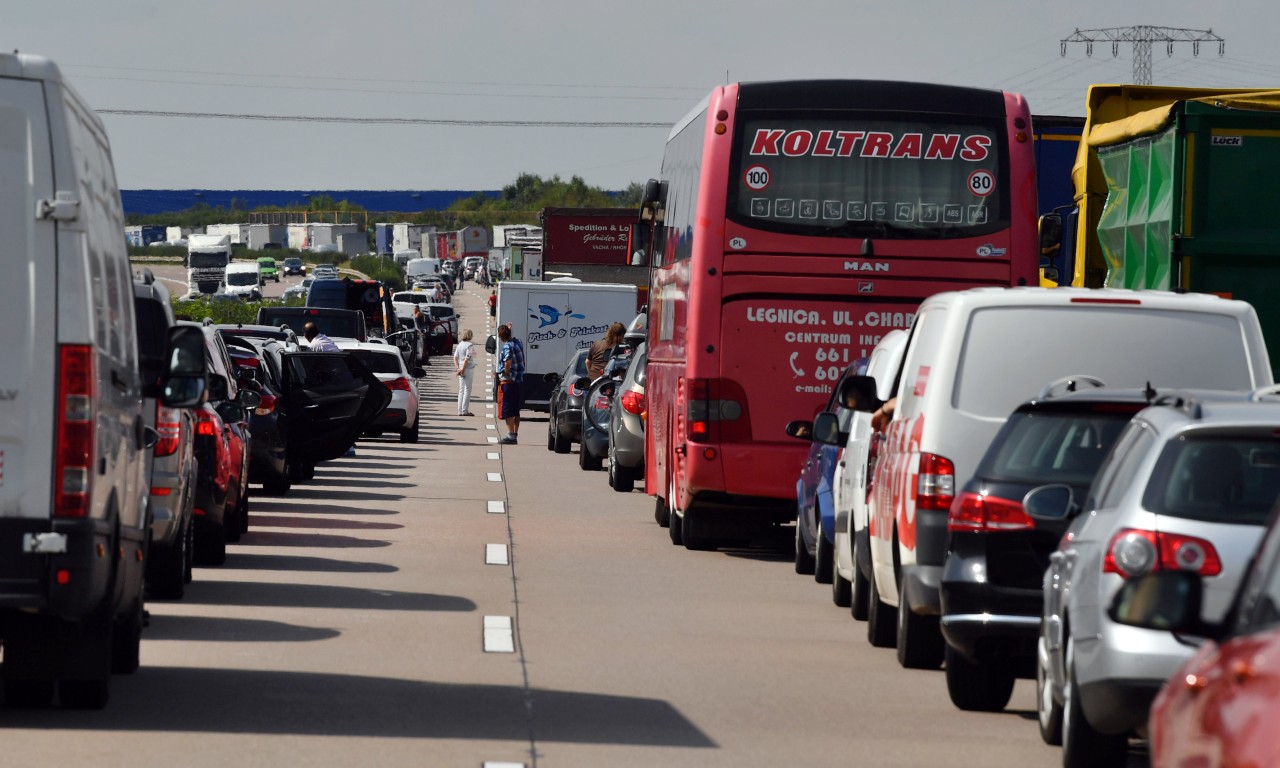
point(991, 588)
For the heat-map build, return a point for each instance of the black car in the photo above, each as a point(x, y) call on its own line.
point(597, 405)
point(334, 323)
point(991, 587)
point(294, 266)
point(564, 425)
point(268, 423)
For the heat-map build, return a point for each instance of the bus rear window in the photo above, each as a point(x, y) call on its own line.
point(858, 177)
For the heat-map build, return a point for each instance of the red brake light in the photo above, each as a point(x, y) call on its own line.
point(935, 483)
point(633, 402)
point(716, 411)
point(401, 384)
point(976, 512)
point(73, 471)
point(266, 406)
point(1082, 300)
point(1133, 552)
point(206, 428)
point(169, 425)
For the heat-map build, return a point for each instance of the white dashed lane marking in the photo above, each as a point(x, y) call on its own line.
point(493, 440)
point(497, 508)
point(493, 456)
point(498, 637)
point(495, 477)
point(496, 554)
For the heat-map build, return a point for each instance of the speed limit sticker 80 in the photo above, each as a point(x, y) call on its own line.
point(757, 177)
point(982, 183)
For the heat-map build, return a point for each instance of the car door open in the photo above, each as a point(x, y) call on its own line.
point(330, 398)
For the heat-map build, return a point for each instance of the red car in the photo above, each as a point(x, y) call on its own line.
point(1220, 708)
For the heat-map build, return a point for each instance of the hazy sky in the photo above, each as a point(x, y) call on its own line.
point(561, 60)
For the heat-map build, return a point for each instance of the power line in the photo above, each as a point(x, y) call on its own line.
point(387, 120)
point(393, 80)
point(1142, 37)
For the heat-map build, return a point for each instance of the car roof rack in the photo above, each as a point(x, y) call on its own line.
point(1181, 401)
point(1264, 392)
point(1069, 384)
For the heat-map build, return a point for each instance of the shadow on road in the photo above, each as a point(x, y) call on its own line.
point(257, 593)
point(255, 562)
point(327, 467)
point(329, 540)
point(373, 481)
point(293, 521)
point(258, 505)
point(333, 494)
point(215, 629)
point(294, 703)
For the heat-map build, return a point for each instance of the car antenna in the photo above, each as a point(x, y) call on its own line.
point(1149, 393)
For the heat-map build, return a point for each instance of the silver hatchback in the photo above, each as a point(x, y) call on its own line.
point(1188, 486)
point(626, 426)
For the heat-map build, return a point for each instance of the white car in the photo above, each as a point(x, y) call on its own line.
point(384, 362)
point(299, 291)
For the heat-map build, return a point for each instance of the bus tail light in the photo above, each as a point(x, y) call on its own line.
point(169, 425)
point(717, 411)
point(73, 470)
point(980, 513)
point(1134, 552)
point(935, 483)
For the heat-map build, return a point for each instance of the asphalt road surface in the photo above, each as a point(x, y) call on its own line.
point(348, 628)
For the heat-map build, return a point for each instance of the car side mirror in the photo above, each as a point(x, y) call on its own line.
point(247, 398)
point(583, 383)
point(1051, 274)
point(150, 436)
point(185, 381)
point(418, 372)
point(1050, 233)
point(552, 378)
point(801, 430)
point(859, 393)
point(218, 387)
point(1168, 600)
point(1049, 502)
point(826, 430)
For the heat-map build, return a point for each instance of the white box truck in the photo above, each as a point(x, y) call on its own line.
point(554, 320)
point(207, 260)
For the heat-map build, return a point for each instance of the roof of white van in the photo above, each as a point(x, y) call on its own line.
point(29, 67)
point(1022, 296)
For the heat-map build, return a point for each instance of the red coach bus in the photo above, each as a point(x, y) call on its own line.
point(794, 224)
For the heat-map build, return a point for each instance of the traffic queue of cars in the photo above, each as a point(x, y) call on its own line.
point(989, 521)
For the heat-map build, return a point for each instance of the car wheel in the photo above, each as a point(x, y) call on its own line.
point(675, 528)
point(824, 562)
point(243, 516)
point(841, 589)
point(231, 526)
point(28, 694)
point(978, 686)
point(1083, 746)
point(693, 539)
point(880, 623)
point(919, 640)
point(211, 546)
point(278, 485)
point(551, 432)
point(559, 444)
point(189, 558)
point(167, 571)
point(860, 590)
point(126, 640)
point(1048, 710)
point(409, 435)
point(805, 564)
point(588, 461)
point(661, 514)
point(624, 478)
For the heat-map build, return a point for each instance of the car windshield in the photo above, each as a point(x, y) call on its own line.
point(1218, 477)
point(242, 278)
point(378, 362)
point(267, 263)
point(1045, 447)
point(293, 262)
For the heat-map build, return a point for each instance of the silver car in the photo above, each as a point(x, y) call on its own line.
point(626, 426)
point(1188, 485)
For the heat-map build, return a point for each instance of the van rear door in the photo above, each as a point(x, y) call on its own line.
point(28, 305)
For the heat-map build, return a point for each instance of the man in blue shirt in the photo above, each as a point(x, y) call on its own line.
point(510, 379)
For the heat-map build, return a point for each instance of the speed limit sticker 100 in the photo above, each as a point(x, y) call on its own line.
point(982, 182)
point(757, 177)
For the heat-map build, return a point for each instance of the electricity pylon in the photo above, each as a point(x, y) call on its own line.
point(1142, 37)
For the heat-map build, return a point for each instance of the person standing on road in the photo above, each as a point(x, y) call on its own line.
point(510, 378)
point(493, 303)
point(600, 352)
point(463, 357)
point(316, 340)
point(424, 333)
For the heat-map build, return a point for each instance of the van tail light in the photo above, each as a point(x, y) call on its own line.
point(1134, 552)
point(206, 427)
point(266, 405)
point(73, 470)
point(935, 483)
point(169, 425)
point(632, 402)
point(873, 457)
point(717, 411)
point(980, 513)
point(401, 384)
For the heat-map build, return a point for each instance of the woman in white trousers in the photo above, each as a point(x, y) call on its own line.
point(464, 366)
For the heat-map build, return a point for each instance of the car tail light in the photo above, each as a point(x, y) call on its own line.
point(873, 457)
point(1134, 552)
point(169, 425)
point(247, 361)
point(935, 483)
point(266, 406)
point(716, 411)
point(73, 471)
point(401, 384)
point(980, 513)
point(206, 427)
point(633, 402)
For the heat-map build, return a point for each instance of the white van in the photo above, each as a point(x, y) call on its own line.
point(417, 271)
point(972, 357)
point(73, 435)
point(244, 279)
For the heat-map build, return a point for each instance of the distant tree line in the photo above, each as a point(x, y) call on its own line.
point(519, 203)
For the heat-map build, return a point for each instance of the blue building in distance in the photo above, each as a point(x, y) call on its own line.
point(152, 201)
